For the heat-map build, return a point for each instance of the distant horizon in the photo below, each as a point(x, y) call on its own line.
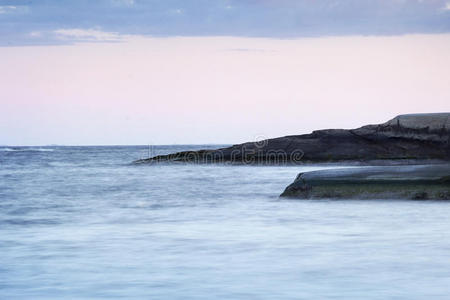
point(180, 144)
point(113, 145)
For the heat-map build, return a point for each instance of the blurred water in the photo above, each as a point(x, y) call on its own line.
point(82, 223)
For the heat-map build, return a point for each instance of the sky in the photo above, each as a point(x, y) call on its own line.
point(215, 71)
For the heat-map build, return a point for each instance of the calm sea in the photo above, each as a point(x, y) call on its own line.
point(83, 223)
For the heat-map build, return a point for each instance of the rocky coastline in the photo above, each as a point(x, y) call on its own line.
point(409, 157)
point(406, 139)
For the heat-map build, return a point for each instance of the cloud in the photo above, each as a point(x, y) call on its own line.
point(7, 8)
point(77, 34)
point(249, 18)
point(13, 9)
point(123, 2)
point(254, 50)
point(176, 12)
point(36, 34)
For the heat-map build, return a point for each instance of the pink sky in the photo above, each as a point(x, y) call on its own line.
point(215, 89)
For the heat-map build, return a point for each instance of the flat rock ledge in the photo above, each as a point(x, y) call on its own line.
point(415, 182)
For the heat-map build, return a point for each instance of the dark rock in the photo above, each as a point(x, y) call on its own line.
point(419, 182)
point(406, 138)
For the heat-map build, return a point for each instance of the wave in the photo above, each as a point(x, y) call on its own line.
point(27, 149)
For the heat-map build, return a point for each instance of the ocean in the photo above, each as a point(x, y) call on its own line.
point(85, 223)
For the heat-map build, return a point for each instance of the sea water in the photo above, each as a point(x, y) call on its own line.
point(84, 223)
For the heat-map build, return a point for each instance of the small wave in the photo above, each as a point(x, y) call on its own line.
point(27, 149)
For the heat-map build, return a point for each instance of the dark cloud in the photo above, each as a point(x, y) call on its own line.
point(25, 22)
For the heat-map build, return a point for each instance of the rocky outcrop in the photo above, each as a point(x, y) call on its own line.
point(388, 182)
point(419, 127)
point(411, 138)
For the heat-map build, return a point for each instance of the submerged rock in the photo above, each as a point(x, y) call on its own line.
point(388, 182)
point(406, 138)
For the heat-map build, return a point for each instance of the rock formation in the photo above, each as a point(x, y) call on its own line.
point(388, 182)
point(414, 137)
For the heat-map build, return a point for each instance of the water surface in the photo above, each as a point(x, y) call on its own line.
point(83, 223)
